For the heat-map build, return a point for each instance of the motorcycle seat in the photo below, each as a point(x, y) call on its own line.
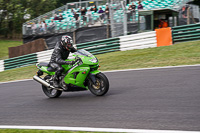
point(44, 64)
point(50, 69)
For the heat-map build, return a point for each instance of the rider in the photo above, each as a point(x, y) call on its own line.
point(59, 55)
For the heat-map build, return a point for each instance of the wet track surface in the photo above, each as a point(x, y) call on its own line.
point(167, 99)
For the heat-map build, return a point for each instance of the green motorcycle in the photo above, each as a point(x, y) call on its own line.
point(83, 75)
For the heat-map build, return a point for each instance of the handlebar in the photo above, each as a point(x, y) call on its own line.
point(78, 60)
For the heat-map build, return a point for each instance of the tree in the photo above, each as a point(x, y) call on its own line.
point(12, 13)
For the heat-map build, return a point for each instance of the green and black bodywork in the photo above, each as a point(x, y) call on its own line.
point(83, 75)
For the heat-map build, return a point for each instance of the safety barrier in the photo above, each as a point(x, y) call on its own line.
point(44, 56)
point(20, 61)
point(129, 42)
point(138, 41)
point(186, 32)
point(1, 65)
point(122, 43)
point(101, 46)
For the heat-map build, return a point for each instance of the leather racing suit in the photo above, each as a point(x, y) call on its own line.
point(59, 55)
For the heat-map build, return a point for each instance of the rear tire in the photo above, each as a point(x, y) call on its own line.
point(101, 86)
point(51, 93)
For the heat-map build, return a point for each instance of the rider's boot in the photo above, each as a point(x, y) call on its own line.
point(56, 83)
point(56, 79)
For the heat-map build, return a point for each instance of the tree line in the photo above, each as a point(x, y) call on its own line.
point(12, 13)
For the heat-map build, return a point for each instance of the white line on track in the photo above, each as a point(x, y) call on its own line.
point(89, 129)
point(153, 68)
point(15, 81)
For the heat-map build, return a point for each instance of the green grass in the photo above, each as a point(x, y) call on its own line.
point(4, 44)
point(38, 131)
point(18, 73)
point(187, 53)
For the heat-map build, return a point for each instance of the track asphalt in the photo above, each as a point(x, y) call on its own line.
point(158, 99)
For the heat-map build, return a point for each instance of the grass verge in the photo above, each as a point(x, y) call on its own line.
point(187, 53)
point(4, 44)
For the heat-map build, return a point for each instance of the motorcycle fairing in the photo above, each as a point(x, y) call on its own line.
point(77, 76)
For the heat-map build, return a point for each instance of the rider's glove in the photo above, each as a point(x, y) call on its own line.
point(77, 59)
point(69, 62)
point(73, 62)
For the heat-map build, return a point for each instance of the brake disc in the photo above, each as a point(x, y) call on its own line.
point(97, 86)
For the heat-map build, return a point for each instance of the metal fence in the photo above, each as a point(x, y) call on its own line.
point(69, 21)
point(117, 18)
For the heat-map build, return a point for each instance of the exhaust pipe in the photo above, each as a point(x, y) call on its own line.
point(41, 81)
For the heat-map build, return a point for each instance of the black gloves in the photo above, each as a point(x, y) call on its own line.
point(69, 62)
point(78, 60)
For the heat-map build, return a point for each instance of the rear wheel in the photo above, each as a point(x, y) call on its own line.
point(101, 86)
point(49, 92)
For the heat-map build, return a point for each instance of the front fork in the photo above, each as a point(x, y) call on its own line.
point(92, 77)
point(93, 74)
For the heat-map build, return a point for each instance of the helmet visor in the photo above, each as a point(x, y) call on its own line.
point(69, 45)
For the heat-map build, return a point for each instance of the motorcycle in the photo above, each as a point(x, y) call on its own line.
point(82, 75)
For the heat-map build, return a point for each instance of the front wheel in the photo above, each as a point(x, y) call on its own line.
point(101, 86)
point(51, 93)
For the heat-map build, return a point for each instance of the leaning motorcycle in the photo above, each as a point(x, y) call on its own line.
point(82, 75)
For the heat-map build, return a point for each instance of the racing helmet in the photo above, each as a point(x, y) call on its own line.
point(67, 41)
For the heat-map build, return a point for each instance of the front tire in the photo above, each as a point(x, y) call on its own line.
point(101, 86)
point(51, 93)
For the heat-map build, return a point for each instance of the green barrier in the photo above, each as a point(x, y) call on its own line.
point(186, 33)
point(95, 47)
point(96, 44)
point(20, 61)
point(19, 57)
point(101, 46)
point(99, 41)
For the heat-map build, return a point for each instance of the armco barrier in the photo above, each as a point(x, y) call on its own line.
point(101, 46)
point(44, 56)
point(129, 42)
point(20, 61)
point(138, 41)
point(186, 32)
point(1, 65)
